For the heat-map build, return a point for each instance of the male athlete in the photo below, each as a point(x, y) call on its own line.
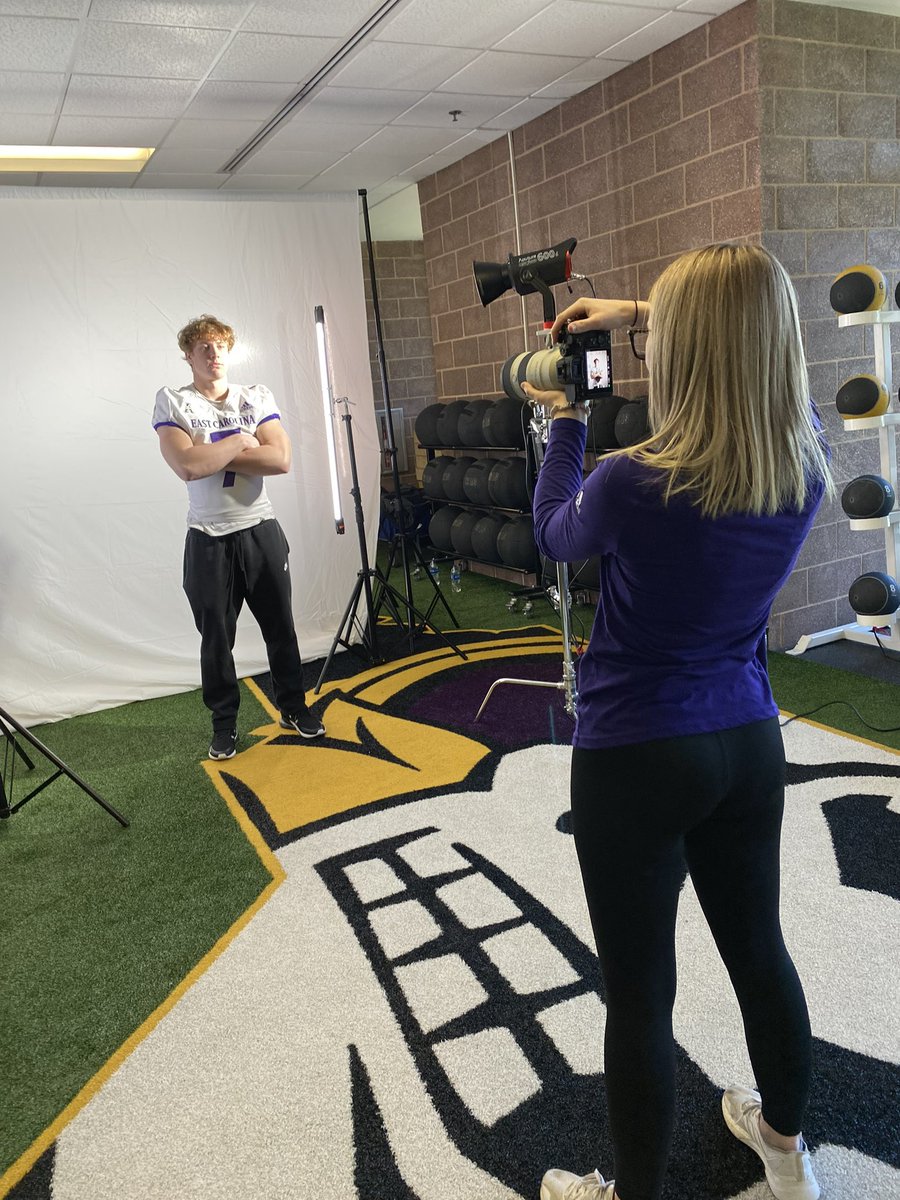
point(222, 440)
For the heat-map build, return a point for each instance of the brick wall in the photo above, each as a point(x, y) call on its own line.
point(406, 330)
point(829, 82)
point(776, 121)
point(661, 157)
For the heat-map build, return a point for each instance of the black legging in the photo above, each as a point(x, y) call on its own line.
point(640, 812)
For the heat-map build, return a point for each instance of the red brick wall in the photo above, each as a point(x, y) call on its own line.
point(659, 158)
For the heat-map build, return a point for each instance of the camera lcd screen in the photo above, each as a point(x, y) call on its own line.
point(597, 369)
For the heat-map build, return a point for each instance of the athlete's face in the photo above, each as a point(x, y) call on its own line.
point(208, 360)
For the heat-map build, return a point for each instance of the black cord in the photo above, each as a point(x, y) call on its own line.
point(884, 653)
point(853, 709)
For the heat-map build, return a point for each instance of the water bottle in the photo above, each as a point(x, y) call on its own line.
point(433, 571)
point(455, 577)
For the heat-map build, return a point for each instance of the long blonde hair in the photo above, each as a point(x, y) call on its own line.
point(729, 403)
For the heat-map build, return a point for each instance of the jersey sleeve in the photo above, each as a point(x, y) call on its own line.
point(266, 408)
point(167, 411)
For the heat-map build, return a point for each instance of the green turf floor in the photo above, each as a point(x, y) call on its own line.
point(98, 924)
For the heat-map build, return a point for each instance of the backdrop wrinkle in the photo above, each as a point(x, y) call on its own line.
point(94, 288)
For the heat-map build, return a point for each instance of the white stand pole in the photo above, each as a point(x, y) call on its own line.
point(888, 626)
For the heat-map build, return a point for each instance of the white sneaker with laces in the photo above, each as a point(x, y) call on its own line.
point(789, 1173)
point(563, 1185)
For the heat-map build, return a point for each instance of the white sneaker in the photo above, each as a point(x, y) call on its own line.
point(788, 1172)
point(563, 1185)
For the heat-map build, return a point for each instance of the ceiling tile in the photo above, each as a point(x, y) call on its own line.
point(181, 182)
point(112, 95)
point(350, 175)
point(110, 131)
point(264, 183)
point(158, 51)
point(390, 62)
point(589, 28)
point(33, 44)
point(273, 58)
point(300, 132)
point(30, 92)
point(37, 8)
point(436, 107)
point(189, 14)
point(28, 129)
point(412, 142)
point(659, 33)
point(87, 179)
point(583, 77)
point(274, 161)
point(346, 105)
point(229, 101)
point(715, 7)
point(325, 18)
point(227, 136)
point(496, 73)
point(521, 113)
point(182, 162)
point(462, 23)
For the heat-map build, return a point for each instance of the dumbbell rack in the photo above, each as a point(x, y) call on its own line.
point(888, 425)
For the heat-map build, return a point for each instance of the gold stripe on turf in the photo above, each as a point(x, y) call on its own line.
point(45, 1140)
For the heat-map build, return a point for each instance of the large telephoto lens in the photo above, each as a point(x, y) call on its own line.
point(540, 368)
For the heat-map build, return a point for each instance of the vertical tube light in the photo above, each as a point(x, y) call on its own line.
point(328, 407)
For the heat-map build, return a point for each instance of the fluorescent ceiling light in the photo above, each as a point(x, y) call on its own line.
point(125, 159)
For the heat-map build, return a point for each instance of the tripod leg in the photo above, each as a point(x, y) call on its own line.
point(7, 733)
point(340, 638)
point(63, 770)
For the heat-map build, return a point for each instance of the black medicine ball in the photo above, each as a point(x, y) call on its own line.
point(602, 422)
point(461, 532)
point(862, 396)
point(432, 477)
point(862, 288)
point(515, 544)
point(867, 496)
point(439, 526)
point(505, 423)
point(874, 594)
point(453, 476)
point(475, 481)
point(471, 421)
point(426, 425)
point(484, 537)
point(631, 425)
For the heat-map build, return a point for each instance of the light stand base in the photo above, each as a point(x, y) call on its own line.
point(7, 725)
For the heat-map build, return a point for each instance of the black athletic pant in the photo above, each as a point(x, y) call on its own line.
point(713, 801)
point(220, 573)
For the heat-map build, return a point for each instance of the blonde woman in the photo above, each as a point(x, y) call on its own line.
point(677, 756)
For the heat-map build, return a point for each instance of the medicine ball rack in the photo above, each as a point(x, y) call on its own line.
point(887, 425)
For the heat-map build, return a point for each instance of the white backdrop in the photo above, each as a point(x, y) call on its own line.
point(93, 289)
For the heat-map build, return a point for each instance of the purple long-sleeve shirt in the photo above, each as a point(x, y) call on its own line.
point(677, 645)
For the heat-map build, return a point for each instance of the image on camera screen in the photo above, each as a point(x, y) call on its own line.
point(596, 369)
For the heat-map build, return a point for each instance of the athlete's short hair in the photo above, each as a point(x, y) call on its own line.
point(206, 327)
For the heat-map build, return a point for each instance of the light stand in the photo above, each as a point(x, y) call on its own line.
point(526, 277)
point(401, 538)
point(7, 808)
point(368, 633)
point(539, 431)
point(367, 647)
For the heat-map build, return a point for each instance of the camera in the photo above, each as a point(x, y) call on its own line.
point(580, 364)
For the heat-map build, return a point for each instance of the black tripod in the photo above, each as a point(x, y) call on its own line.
point(7, 808)
point(393, 601)
point(400, 542)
